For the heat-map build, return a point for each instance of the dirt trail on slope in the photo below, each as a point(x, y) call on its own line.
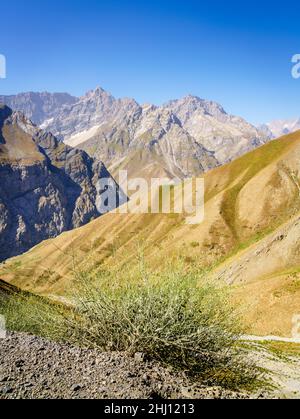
point(282, 370)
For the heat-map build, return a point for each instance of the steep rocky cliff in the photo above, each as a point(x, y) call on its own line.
point(46, 187)
point(38, 106)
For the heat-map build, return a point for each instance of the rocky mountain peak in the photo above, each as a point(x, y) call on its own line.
point(97, 94)
point(128, 103)
point(187, 106)
point(110, 128)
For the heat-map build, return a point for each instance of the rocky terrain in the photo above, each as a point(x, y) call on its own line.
point(38, 106)
point(228, 136)
point(178, 140)
point(45, 187)
point(34, 368)
point(157, 146)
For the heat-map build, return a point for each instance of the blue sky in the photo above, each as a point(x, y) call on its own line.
point(237, 54)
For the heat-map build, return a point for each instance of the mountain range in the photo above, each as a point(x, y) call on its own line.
point(249, 240)
point(49, 174)
point(177, 140)
point(53, 185)
point(38, 106)
point(49, 177)
point(46, 187)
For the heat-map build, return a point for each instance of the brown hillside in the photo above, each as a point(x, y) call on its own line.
point(250, 204)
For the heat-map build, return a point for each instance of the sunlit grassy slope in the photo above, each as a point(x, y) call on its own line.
point(249, 239)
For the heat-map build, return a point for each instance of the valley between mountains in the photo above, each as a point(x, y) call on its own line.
point(54, 151)
point(249, 239)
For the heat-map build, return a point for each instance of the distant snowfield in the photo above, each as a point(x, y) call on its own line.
point(46, 123)
point(82, 136)
point(283, 127)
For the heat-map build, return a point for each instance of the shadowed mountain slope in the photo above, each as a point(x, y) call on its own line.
point(45, 187)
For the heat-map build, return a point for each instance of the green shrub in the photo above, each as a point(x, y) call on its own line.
point(195, 244)
point(38, 316)
point(170, 317)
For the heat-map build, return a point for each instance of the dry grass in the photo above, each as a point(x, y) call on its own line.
point(170, 317)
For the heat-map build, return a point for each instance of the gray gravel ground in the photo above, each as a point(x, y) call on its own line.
point(34, 368)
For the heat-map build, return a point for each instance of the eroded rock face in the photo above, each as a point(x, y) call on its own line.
point(228, 136)
point(45, 187)
point(153, 144)
point(38, 106)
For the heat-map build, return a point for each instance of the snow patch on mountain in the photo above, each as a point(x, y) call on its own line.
point(278, 128)
point(82, 136)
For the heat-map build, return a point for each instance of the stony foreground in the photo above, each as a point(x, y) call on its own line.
point(32, 367)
